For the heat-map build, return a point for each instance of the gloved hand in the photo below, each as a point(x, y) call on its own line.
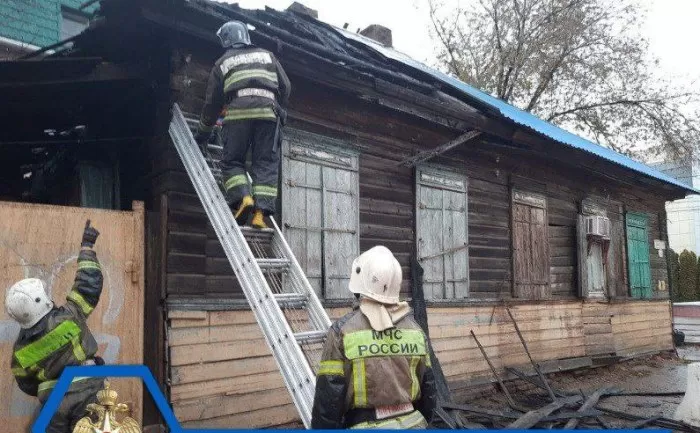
point(90, 235)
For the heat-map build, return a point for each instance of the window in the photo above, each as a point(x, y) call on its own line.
point(530, 246)
point(72, 23)
point(320, 210)
point(442, 233)
point(638, 255)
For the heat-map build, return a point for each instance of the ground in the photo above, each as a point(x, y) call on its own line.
point(664, 372)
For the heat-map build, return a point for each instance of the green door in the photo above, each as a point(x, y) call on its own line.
point(638, 255)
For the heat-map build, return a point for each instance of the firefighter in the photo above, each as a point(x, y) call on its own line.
point(52, 338)
point(253, 87)
point(375, 368)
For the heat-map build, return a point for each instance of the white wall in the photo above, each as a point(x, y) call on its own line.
point(683, 215)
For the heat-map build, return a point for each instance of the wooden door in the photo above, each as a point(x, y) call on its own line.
point(43, 242)
point(638, 255)
point(530, 246)
point(320, 211)
point(442, 233)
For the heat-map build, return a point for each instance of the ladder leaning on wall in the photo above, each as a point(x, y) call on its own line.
point(283, 302)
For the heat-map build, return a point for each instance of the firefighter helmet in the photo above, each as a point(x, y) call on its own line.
point(376, 274)
point(27, 302)
point(233, 33)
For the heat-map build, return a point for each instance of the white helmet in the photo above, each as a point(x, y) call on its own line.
point(27, 302)
point(376, 274)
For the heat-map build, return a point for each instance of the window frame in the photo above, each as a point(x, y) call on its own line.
point(537, 200)
point(329, 153)
point(448, 174)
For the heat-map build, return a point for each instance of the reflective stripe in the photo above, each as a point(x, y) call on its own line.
point(88, 264)
point(78, 352)
point(249, 113)
point(237, 180)
point(412, 420)
point(247, 74)
point(49, 384)
point(19, 372)
point(331, 368)
point(47, 345)
point(428, 361)
point(41, 375)
point(265, 190)
point(392, 342)
point(76, 297)
point(255, 92)
point(415, 384)
point(245, 58)
point(359, 377)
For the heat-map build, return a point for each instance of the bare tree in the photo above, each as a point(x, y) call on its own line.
point(581, 64)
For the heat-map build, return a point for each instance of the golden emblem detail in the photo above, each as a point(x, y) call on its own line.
point(104, 415)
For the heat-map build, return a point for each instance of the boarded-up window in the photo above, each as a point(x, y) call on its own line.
point(320, 210)
point(530, 246)
point(442, 238)
point(638, 255)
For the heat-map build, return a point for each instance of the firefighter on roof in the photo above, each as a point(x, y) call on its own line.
point(253, 87)
point(375, 369)
point(52, 338)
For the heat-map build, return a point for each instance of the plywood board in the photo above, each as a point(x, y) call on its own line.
point(44, 241)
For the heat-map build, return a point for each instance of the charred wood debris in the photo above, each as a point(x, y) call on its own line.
point(546, 408)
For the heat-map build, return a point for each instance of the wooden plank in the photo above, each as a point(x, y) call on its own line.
point(220, 351)
point(43, 241)
point(213, 334)
point(227, 386)
point(268, 417)
point(220, 370)
point(225, 405)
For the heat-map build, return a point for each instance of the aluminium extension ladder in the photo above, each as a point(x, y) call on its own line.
point(285, 305)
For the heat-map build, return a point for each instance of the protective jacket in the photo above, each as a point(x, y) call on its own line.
point(250, 82)
point(61, 338)
point(374, 379)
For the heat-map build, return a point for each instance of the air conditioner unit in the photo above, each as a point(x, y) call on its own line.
point(598, 227)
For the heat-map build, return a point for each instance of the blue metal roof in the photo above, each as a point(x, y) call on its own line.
point(523, 118)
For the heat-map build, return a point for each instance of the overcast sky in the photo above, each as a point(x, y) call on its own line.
point(672, 27)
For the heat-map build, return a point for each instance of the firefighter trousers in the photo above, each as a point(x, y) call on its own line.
point(258, 135)
point(73, 405)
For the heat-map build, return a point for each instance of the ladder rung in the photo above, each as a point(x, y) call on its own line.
point(273, 264)
point(258, 235)
point(310, 336)
point(291, 300)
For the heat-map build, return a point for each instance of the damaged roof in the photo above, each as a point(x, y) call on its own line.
point(359, 52)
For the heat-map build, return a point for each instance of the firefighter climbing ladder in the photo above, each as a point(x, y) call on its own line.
point(283, 302)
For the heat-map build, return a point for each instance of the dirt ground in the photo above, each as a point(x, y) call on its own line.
point(663, 372)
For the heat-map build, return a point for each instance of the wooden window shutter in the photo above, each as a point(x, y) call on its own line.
point(442, 233)
point(320, 209)
point(530, 246)
point(638, 260)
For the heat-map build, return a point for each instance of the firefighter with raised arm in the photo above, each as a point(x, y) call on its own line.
point(52, 338)
point(375, 369)
point(251, 86)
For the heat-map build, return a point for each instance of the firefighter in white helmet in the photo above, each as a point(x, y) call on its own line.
point(52, 338)
point(375, 369)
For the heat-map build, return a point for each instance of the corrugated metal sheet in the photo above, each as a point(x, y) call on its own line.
point(521, 117)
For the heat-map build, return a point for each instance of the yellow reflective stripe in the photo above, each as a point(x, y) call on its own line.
point(331, 368)
point(47, 345)
point(78, 352)
point(49, 384)
point(415, 384)
point(428, 361)
point(411, 420)
point(359, 376)
point(392, 342)
point(19, 372)
point(76, 297)
point(234, 181)
point(41, 375)
point(249, 113)
point(88, 264)
point(249, 73)
point(265, 190)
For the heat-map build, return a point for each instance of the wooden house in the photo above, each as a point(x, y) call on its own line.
point(492, 206)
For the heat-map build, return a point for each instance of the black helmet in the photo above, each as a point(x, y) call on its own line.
point(233, 33)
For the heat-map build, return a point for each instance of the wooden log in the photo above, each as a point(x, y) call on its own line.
point(531, 418)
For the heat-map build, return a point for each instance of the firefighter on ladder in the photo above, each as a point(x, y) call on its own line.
point(375, 368)
point(52, 338)
point(253, 87)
